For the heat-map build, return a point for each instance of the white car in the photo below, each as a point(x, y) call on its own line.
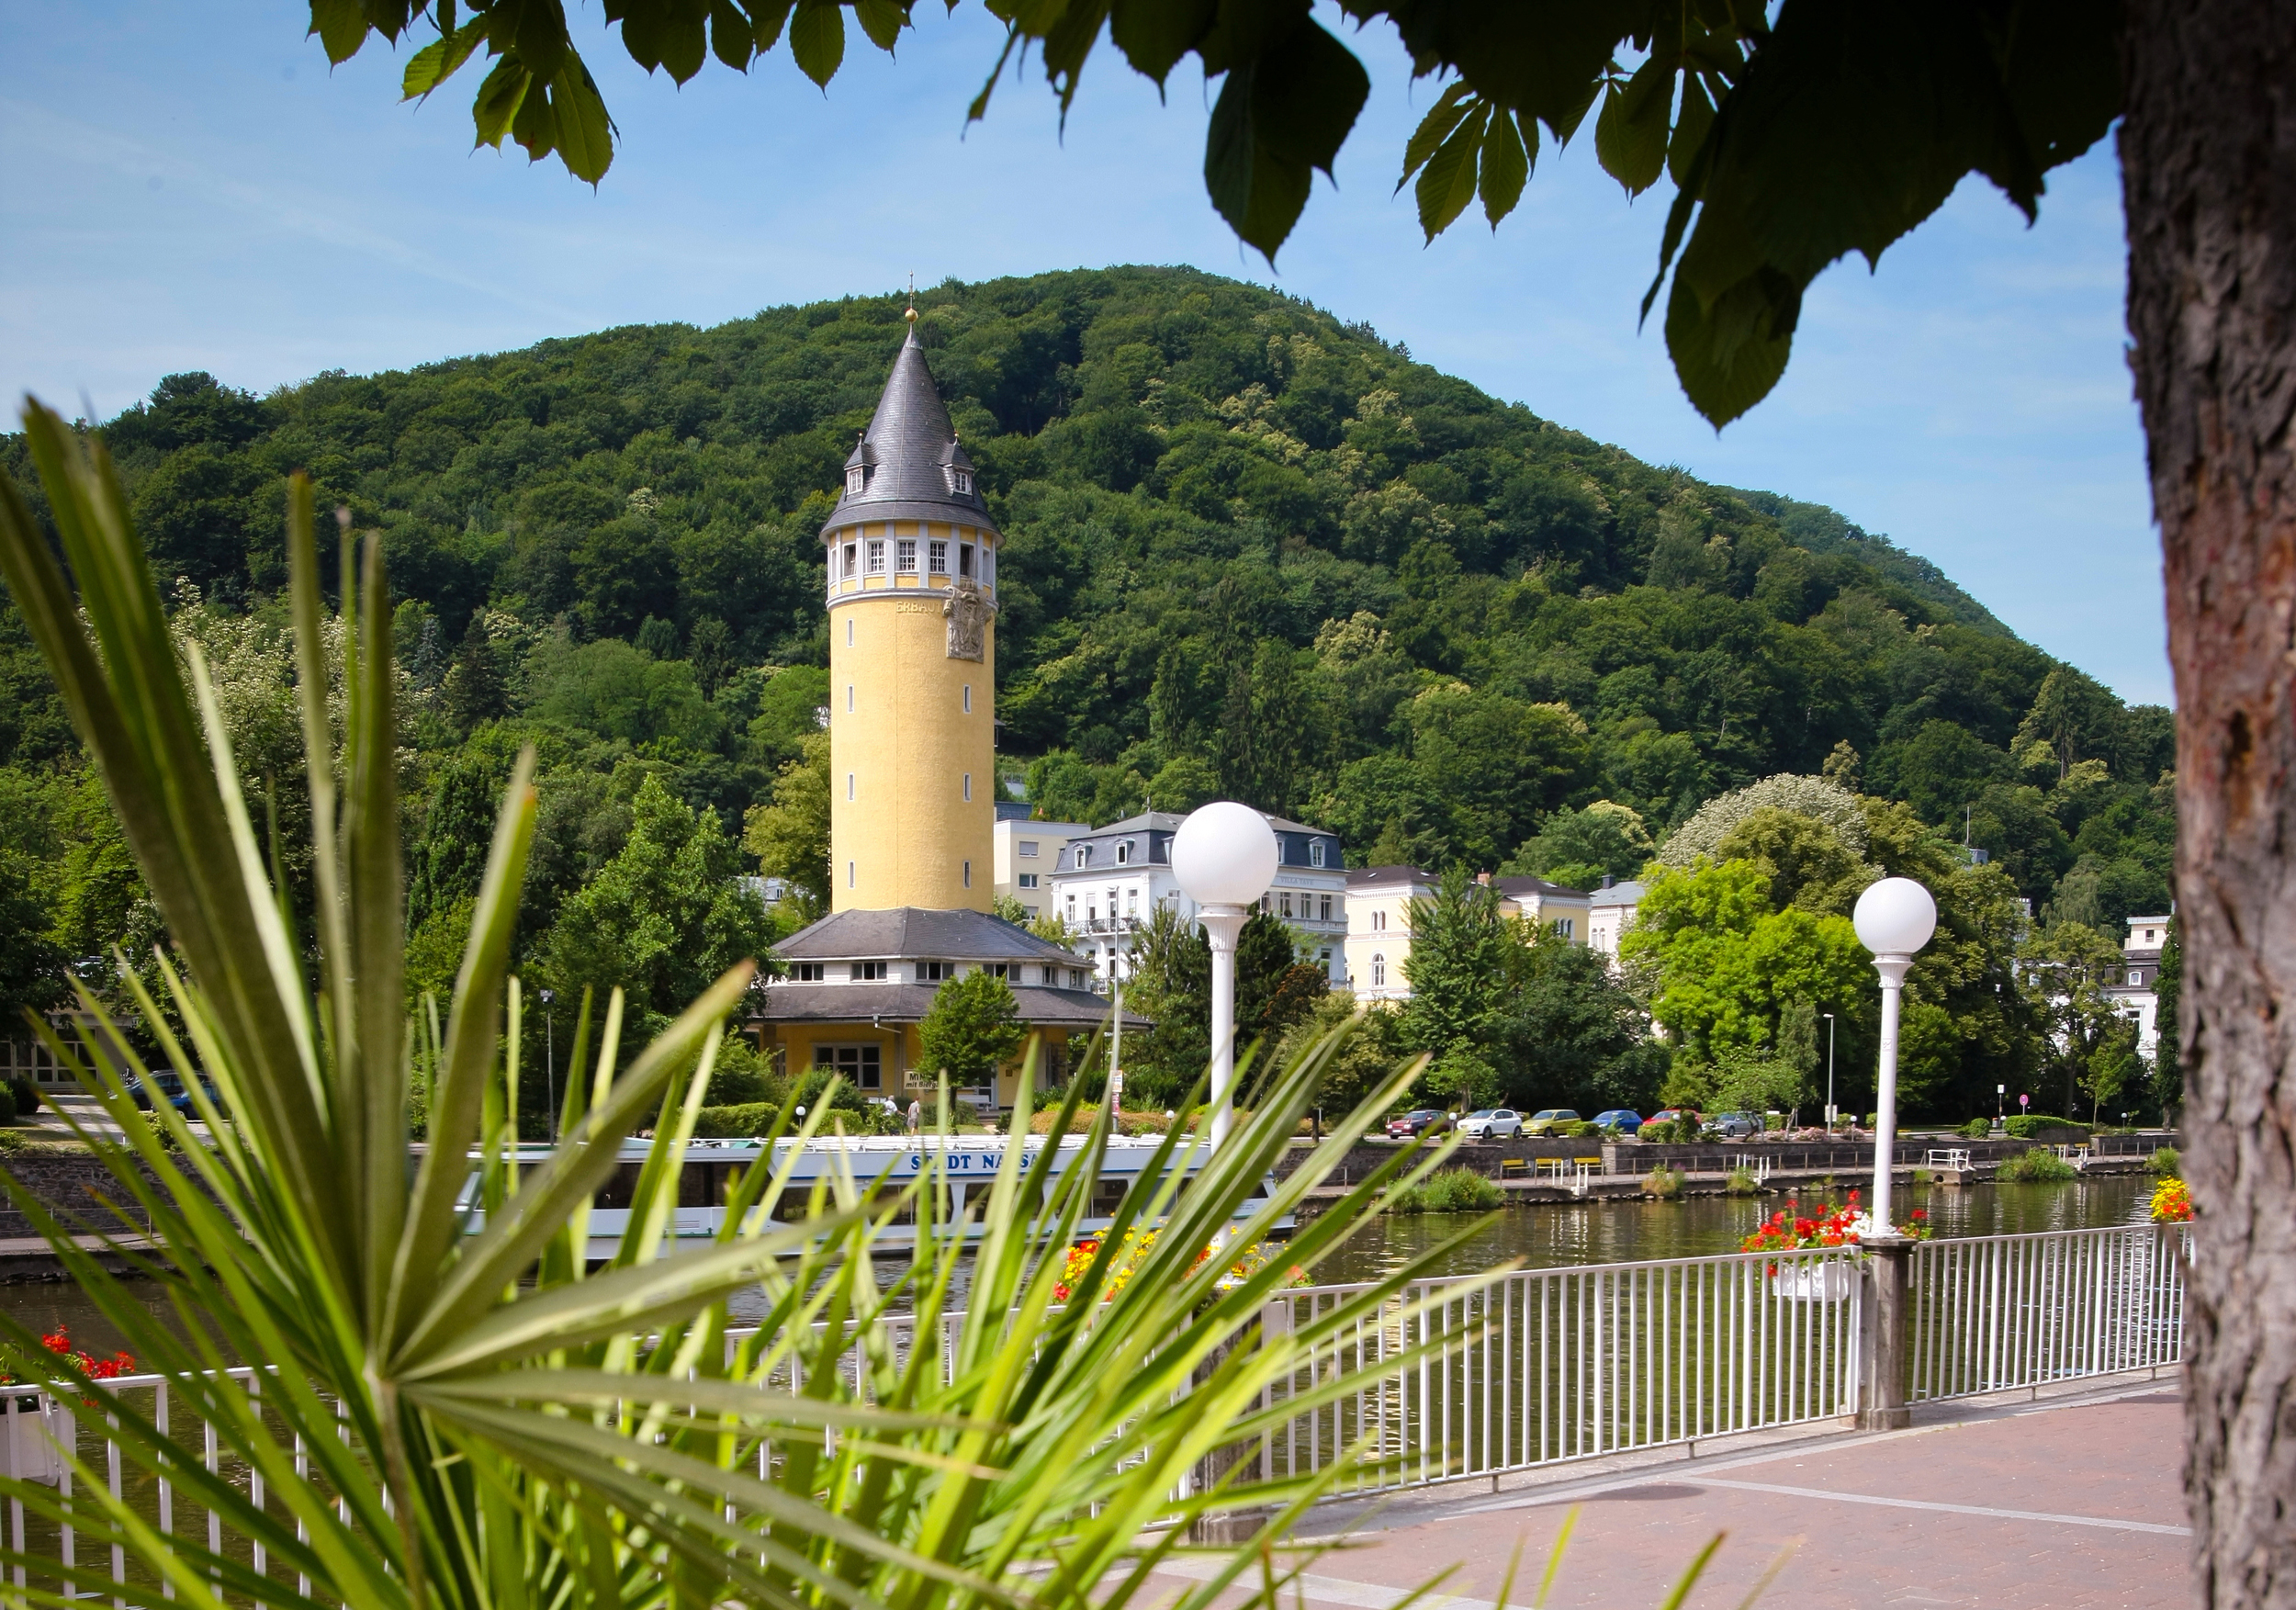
point(1493, 1123)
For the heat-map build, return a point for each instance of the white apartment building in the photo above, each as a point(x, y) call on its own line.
point(1110, 880)
point(1025, 853)
point(2135, 995)
point(1379, 920)
point(1610, 912)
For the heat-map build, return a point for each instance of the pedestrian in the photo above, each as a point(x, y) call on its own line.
point(916, 1115)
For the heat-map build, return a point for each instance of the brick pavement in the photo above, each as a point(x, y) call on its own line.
point(2045, 1505)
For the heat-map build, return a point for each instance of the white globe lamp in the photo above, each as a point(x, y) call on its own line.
point(1895, 917)
point(1224, 856)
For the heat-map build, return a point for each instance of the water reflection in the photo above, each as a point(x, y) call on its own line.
point(1544, 1237)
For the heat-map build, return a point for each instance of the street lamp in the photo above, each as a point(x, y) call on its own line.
point(1224, 856)
point(1894, 918)
point(550, 1041)
point(1830, 1075)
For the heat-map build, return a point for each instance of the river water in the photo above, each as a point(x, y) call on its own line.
point(1544, 1237)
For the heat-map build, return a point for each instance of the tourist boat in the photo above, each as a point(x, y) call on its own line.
point(970, 1166)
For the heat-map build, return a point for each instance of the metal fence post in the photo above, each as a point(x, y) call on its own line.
point(1882, 1335)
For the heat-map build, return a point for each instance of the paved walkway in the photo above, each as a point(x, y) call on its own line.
point(2073, 1504)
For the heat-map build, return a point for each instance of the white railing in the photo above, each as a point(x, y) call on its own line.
point(1996, 1313)
point(1555, 1365)
point(1452, 1379)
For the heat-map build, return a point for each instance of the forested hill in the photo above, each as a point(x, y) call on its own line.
point(1253, 551)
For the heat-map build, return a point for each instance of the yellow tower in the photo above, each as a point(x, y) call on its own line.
point(912, 599)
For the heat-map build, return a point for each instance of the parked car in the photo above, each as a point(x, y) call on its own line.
point(1548, 1120)
point(183, 1103)
point(166, 1081)
point(1626, 1120)
point(1420, 1122)
point(1491, 1123)
point(1671, 1115)
point(1736, 1126)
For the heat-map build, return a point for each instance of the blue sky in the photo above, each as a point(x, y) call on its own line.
point(189, 186)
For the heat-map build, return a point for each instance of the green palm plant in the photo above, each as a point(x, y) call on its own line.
point(446, 1406)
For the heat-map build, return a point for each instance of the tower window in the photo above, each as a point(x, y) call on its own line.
point(968, 698)
point(964, 480)
point(965, 558)
point(876, 557)
point(968, 865)
point(855, 478)
point(968, 788)
point(849, 785)
point(988, 563)
point(849, 874)
point(852, 560)
point(849, 698)
point(904, 556)
point(848, 631)
point(937, 556)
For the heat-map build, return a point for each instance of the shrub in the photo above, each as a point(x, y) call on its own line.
point(1664, 1182)
point(1921, 1176)
point(2166, 1163)
point(735, 1124)
point(2026, 1125)
point(1675, 1131)
point(1977, 1129)
point(1451, 1190)
point(1741, 1182)
point(13, 1141)
point(1576, 1132)
point(2037, 1167)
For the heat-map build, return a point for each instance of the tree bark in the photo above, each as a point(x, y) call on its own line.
point(2208, 150)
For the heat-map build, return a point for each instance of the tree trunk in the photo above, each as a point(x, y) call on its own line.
point(2208, 152)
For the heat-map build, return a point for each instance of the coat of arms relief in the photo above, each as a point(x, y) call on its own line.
point(967, 615)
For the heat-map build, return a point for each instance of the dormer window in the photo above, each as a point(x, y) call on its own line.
point(1084, 855)
point(855, 478)
point(1124, 854)
point(1316, 852)
point(963, 480)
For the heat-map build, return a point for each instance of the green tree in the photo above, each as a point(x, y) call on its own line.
point(2068, 969)
point(450, 853)
point(1572, 1034)
point(973, 1029)
point(791, 837)
point(1577, 849)
point(1728, 964)
point(1461, 952)
point(663, 918)
point(474, 689)
point(1168, 978)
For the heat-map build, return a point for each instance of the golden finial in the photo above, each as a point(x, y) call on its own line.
point(911, 315)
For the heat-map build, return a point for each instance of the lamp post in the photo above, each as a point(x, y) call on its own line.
point(1894, 918)
point(550, 1066)
point(1224, 856)
point(1830, 1076)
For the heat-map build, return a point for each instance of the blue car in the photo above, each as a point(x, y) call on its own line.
point(165, 1081)
point(1620, 1119)
point(183, 1104)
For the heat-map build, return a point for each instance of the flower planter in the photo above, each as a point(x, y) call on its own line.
point(32, 1456)
point(1827, 1282)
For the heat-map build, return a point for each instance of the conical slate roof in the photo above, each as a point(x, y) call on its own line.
point(910, 455)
